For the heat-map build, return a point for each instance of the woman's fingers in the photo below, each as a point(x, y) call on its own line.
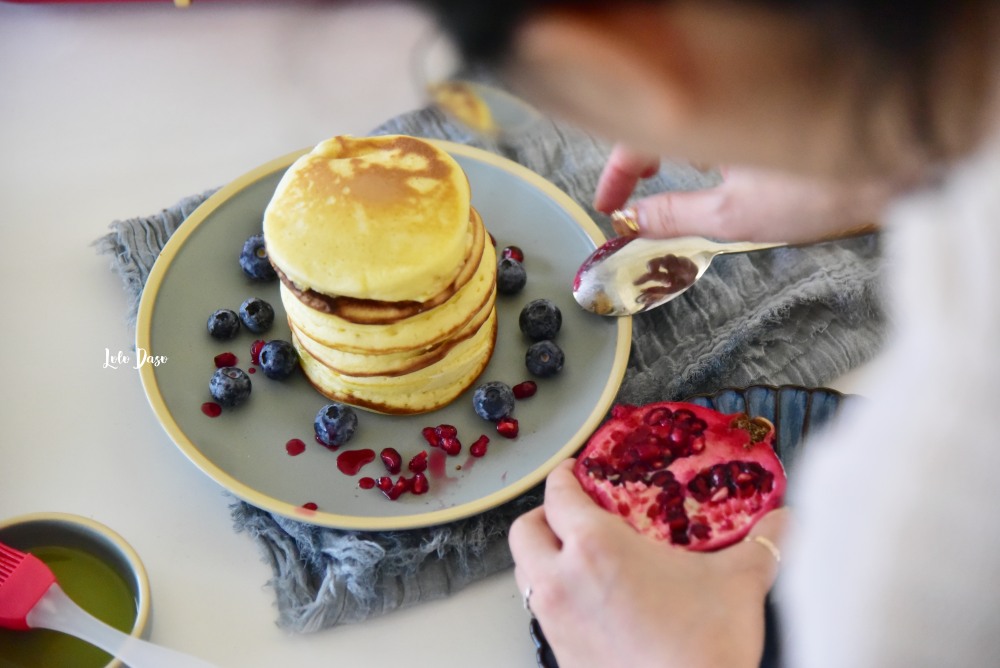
point(676, 214)
point(624, 169)
point(760, 551)
point(530, 533)
point(758, 205)
point(567, 506)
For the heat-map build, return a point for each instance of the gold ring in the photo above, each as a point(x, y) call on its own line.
point(767, 544)
point(625, 222)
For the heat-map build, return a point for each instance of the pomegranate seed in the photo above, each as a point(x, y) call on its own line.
point(513, 252)
point(392, 460)
point(309, 505)
point(446, 431)
point(418, 464)
point(401, 485)
point(700, 531)
point(525, 389)
point(419, 484)
point(431, 436)
point(451, 446)
point(255, 348)
point(384, 483)
point(659, 416)
point(225, 359)
point(507, 427)
point(366, 483)
point(478, 449)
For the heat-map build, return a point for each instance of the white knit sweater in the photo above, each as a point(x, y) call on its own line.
point(895, 556)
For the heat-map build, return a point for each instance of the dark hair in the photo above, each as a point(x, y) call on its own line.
point(483, 29)
point(898, 37)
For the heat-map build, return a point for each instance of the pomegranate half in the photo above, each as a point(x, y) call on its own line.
point(683, 473)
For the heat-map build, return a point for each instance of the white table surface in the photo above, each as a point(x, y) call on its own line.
point(113, 111)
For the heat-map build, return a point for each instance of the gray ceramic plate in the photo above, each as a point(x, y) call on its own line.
point(244, 449)
point(796, 413)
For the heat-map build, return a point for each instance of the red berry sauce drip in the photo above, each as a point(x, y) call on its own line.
point(252, 369)
point(331, 448)
point(309, 505)
point(295, 447)
point(211, 409)
point(350, 461)
point(225, 359)
point(437, 464)
point(255, 350)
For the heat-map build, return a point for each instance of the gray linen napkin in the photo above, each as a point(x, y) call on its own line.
point(800, 316)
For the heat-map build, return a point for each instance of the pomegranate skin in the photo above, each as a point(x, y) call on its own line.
point(684, 474)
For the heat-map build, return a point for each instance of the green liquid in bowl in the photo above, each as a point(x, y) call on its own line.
point(97, 588)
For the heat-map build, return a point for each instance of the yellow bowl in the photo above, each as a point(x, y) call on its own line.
point(64, 534)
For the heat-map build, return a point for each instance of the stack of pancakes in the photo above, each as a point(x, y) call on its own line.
point(388, 276)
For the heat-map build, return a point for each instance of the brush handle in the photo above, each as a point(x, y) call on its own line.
point(57, 611)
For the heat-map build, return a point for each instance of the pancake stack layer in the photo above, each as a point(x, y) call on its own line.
point(388, 276)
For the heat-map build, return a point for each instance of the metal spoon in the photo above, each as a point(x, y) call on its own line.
point(630, 274)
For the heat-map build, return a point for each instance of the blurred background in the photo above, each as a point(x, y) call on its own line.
point(150, 103)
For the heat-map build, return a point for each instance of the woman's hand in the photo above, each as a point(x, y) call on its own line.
point(749, 204)
point(608, 596)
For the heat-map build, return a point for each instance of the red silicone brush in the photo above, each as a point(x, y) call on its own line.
point(30, 598)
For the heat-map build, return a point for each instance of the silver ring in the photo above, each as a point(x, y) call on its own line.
point(526, 600)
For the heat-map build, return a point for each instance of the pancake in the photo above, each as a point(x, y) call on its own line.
point(391, 363)
point(380, 218)
point(427, 389)
point(371, 311)
point(419, 331)
point(388, 277)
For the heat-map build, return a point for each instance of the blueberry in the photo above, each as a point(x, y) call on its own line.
point(544, 359)
point(278, 359)
point(257, 315)
point(335, 424)
point(511, 276)
point(229, 386)
point(540, 319)
point(253, 259)
point(493, 400)
point(223, 324)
